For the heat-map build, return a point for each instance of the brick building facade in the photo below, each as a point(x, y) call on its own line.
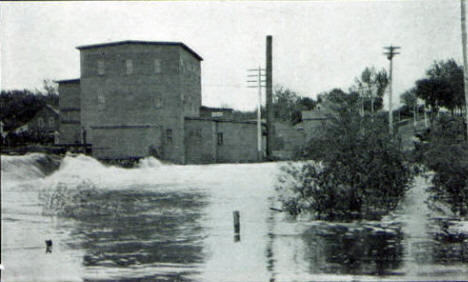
point(140, 98)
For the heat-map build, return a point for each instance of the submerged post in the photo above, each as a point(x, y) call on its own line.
point(236, 222)
point(236, 226)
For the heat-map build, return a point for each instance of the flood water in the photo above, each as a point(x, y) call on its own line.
point(175, 223)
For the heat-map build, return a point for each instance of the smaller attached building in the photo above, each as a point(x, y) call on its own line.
point(69, 106)
point(211, 140)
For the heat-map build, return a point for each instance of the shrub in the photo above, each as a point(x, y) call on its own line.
point(363, 173)
point(446, 154)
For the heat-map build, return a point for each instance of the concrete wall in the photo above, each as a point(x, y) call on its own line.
point(288, 141)
point(69, 107)
point(142, 98)
point(125, 142)
point(239, 141)
point(190, 83)
point(200, 141)
point(311, 128)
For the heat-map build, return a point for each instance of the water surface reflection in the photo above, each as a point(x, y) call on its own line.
point(156, 232)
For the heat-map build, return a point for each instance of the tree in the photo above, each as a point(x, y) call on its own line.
point(287, 105)
point(371, 87)
point(49, 87)
point(50, 91)
point(433, 92)
point(442, 87)
point(284, 103)
point(19, 106)
point(307, 103)
point(411, 101)
point(362, 173)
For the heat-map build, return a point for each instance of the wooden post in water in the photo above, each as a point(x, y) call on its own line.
point(236, 226)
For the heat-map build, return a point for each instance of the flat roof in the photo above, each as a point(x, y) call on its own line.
point(67, 80)
point(215, 109)
point(138, 42)
point(220, 120)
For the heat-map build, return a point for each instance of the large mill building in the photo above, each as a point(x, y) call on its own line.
point(140, 98)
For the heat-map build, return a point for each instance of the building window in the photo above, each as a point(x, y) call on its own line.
point(157, 102)
point(220, 138)
point(169, 136)
point(40, 122)
point(157, 66)
point(181, 65)
point(101, 99)
point(100, 67)
point(51, 122)
point(129, 66)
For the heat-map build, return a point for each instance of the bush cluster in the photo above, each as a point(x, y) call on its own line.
point(446, 153)
point(362, 172)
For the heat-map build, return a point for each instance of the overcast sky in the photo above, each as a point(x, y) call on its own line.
point(317, 45)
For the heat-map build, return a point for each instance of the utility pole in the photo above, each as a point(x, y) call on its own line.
point(259, 75)
point(390, 53)
point(269, 95)
point(426, 124)
point(465, 64)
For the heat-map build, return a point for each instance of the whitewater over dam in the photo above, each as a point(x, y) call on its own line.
point(168, 222)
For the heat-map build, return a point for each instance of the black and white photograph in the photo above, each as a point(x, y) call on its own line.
point(234, 140)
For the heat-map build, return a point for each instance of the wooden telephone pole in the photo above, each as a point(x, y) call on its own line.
point(390, 53)
point(465, 64)
point(258, 74)
point(269, 95)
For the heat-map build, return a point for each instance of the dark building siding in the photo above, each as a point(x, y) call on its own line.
point(287, 141)
point(239, 142)
point(125, 142)
point(190, 84)
point(209, 141)
point(69, 107)
point(200, 142)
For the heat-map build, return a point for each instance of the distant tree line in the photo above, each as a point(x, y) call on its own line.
point(287, 106)
point(17, 107)
point(442, 87)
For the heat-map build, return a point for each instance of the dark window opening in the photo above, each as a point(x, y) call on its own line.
point(220, 139)
point(169, 136)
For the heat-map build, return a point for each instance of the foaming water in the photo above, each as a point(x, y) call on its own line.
point(161, 221)
point(152, 172)
point(21, 168)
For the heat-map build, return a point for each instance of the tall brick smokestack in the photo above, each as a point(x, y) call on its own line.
point(269, 96)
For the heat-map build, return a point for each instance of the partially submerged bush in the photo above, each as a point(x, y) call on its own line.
point(446, 154)
point(307, 187)
point(363, 173)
